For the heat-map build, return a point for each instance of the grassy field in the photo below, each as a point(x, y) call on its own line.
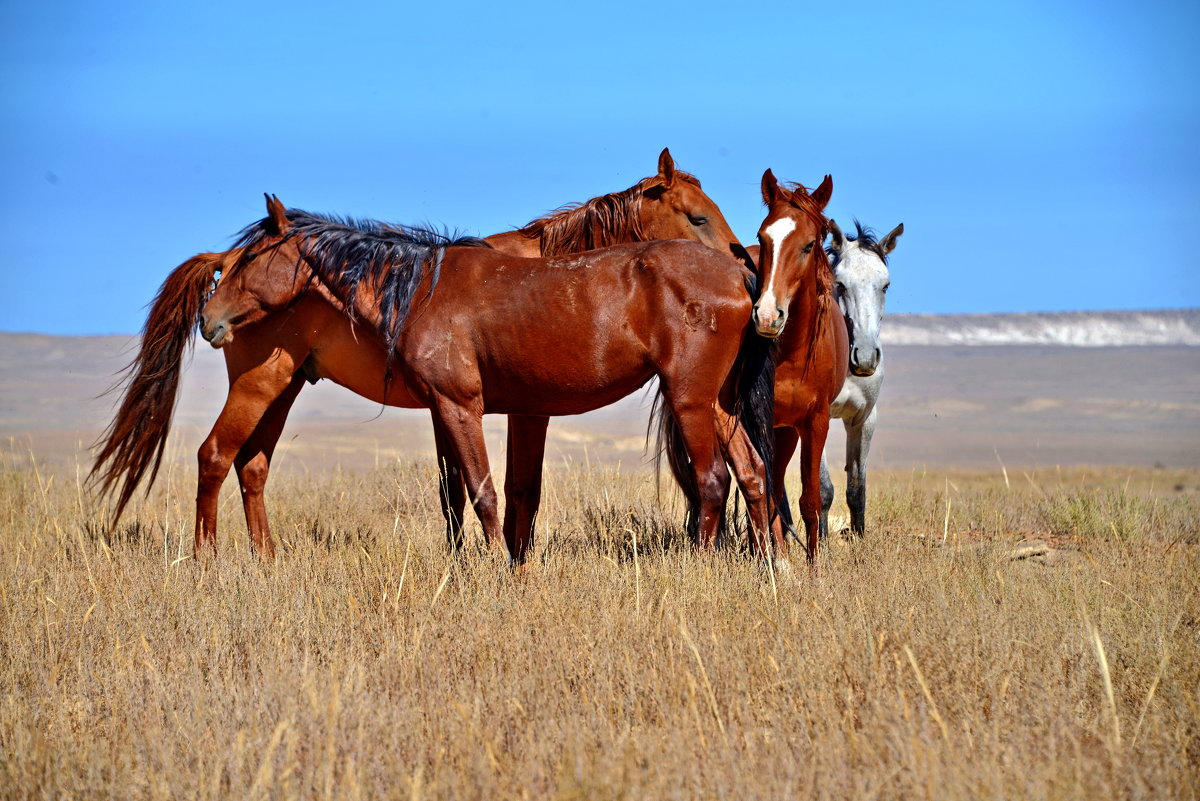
point(923, 662)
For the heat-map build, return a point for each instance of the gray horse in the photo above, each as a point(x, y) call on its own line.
point(861, 272)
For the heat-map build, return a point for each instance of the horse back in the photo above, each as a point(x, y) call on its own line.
point(594, 326)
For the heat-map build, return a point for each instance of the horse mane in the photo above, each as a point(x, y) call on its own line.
point(606, 220)
point(866, 238)
point(347, 253)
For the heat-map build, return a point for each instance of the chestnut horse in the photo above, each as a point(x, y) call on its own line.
point(263, 387)
point(572, 334)
point(795, 308)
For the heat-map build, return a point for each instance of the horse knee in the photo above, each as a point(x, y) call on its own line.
point(856, 492)
point(253, 475)
point(826, 493)
point(714, 483)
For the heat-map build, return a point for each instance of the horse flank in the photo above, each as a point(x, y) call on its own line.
point(603, 221)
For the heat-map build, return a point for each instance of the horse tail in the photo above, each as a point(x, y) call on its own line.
point(136, 438)
point(668, 446)
point(755, 409)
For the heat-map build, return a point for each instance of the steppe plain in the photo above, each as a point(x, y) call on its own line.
point(1021, 621)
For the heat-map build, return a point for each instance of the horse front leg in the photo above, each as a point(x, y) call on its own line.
point(523, 482)
point(812, 445)
point(826, 497)
point(786, 439)
point(453, 492)
point(251, 395)
point(858, 446)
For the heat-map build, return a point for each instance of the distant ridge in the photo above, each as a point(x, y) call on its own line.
point(1080, 329)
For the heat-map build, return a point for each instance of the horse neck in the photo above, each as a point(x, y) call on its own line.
point(807, 316)
point(516, 243)
point(603, 221)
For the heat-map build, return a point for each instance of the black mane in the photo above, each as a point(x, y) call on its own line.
point(866, 239)
point(344, 253)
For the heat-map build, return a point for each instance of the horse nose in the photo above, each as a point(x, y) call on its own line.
point(213, 333)
point(766, 322)
point(862, 364)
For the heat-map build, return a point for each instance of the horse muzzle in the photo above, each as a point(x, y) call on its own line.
point(769, 325)
point(864, 363)
point(218, 334)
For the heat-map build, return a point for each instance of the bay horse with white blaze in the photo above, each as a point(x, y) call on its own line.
point(795, 308)
point(265, 380)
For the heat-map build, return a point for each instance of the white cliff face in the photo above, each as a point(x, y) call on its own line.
point(1083, 329)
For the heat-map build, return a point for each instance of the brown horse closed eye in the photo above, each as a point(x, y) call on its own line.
point(265, 380)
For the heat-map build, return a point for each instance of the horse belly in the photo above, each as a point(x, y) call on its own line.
point(563, 374)
point(359, 364)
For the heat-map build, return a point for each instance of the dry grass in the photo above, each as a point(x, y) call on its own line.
point(363, 663)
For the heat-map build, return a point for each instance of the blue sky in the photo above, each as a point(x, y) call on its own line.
point(1043, 156)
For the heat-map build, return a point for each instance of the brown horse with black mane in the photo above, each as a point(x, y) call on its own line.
point(812, 348)
point(574, 333)
point(264, 382)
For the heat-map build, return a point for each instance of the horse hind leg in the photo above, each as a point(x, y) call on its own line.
point(253, 463)
point(750, 472)
point(463, 430)
point(699, 433)
point(523, 482)
point(453, 491)
point(251, 395)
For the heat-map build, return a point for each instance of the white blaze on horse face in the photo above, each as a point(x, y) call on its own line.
point(774, 233)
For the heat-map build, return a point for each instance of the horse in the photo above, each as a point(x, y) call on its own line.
point(670, 204)
point(860, 269)
point(795, 309)
point(572, 334)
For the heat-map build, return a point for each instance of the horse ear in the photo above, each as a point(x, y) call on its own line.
point(277, 221)
point(823, 192)
point(837, 240)
point(888, 243)
point(666, 167)
point(770, 187)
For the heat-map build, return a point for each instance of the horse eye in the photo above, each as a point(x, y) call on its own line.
point(808, 248)
point(886, 287)
point(698, 220)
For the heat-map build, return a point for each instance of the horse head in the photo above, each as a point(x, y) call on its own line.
point(673, 206)
point(791, 248)
point(254, 279)
point(861, 279)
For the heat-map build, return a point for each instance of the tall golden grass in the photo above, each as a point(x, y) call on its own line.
point(923, 662)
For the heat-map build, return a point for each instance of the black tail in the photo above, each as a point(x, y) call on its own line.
point(755, 409)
